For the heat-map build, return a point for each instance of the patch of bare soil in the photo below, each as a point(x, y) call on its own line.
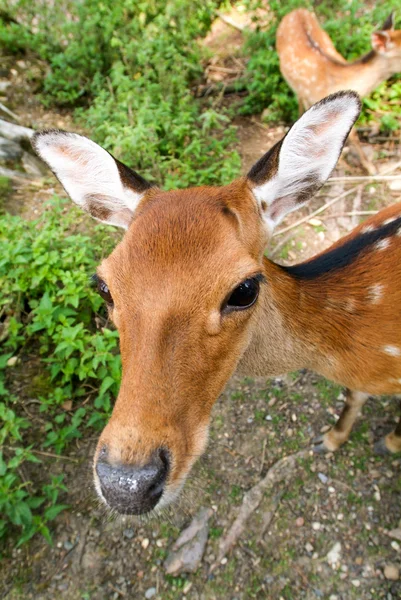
point(329, 523)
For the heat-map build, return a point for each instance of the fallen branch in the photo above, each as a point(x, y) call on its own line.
point(363, 178)
point(352, 213)
point(280, 471)
point(16, 175)
point(9, 112)
point(15, 133)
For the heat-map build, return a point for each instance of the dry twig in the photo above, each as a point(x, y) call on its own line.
point(280, 471)
point(317, 211)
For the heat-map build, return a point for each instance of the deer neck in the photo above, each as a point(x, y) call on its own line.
point(289, 331)
point(366, 73)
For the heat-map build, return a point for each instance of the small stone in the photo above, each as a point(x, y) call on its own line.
point(128, 533)
point(395, 546)
point(187, 552)
point(224, 561)
point(340, 517)
point(359, 560)
point(334, 555)
point(150, 592)
point(355, 582)
point(331, 490)
point(391, 572)
point(68, 545)
point(323, 478)
point(308, 547)
point(145, 543)
point(187, 587)
point(293, 417)
point(395, 534)
point(300, 521)
point(289, 432)
point(12, 361)
point(268, 418)
point(159, 543)
point(316, 526)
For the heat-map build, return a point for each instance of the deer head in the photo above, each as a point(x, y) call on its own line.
point(186, 289)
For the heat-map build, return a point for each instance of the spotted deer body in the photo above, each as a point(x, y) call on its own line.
point(195, 299)
point(313, 68)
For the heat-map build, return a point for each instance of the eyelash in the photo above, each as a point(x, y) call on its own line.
point(103, 290)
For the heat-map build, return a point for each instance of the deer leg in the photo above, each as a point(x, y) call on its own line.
point(339, 434)
point(366, 164)
point(391, 443)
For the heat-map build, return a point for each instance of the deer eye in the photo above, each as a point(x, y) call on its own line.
point(103, 289)
point(243, 296)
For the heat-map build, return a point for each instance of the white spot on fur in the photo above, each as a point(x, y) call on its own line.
point(375, 293)
point(390, 220)
point(383, 244)
point(367, 229)
point(392, 350)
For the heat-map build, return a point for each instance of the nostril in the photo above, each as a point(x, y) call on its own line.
point(165, 458)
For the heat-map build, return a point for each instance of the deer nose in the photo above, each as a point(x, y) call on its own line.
point(132, 489)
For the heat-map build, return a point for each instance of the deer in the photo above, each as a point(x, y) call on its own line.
point(313, 68)
point(195, 299)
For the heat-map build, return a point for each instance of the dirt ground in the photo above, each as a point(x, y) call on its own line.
point(344, 504)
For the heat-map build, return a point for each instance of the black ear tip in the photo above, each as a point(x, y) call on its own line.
point(389, 22)
point(46, 136)
point(342, 95)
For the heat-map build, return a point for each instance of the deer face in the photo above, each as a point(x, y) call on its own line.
point(185, 290)
point(182, 293)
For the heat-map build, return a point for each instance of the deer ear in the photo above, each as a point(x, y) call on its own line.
point(388, 24)
point(93, 178)
point(296, 167)
point(381, 42)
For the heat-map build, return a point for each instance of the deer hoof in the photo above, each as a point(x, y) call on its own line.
point(380, 447)
point(319, 446)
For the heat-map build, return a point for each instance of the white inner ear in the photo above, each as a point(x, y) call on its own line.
point(307, 156)
point(89, 174)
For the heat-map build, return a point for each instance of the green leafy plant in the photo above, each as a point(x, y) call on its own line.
point(49, 307)
point(129, 67)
